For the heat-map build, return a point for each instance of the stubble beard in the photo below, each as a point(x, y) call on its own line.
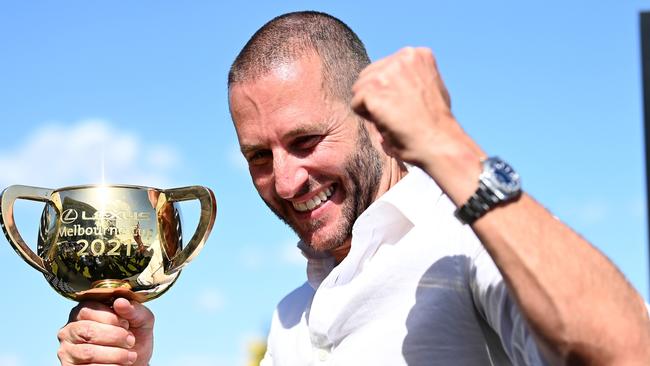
point(363, 171)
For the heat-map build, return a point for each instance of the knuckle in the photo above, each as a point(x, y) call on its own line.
point(144, 310)
point(86, 332)
point(75, 354)
point(425, 51)
point(86, 353)
point(426, 54)
point(383, 80)
point(82, 313)
point(61, 335)
point(62, 355)
point(371, 104)
point(407, 57)
point(408, 51)
point(150, 317)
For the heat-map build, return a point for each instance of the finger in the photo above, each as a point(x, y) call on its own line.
point(357, 103)
point(376, 65)
point(374, 75)
point(86, 304)
point(90, 364)
point(137, 314)
point(86, 331)
point(406, 56)
point(374, 82)
point(365, 104)
point(445, 93)
point(98, 312)
point(389, 75)
point(364, 87)
point(88, 354)
point(430, 61)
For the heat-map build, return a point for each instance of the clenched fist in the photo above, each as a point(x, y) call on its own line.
point(101, 335)
point(404, 96)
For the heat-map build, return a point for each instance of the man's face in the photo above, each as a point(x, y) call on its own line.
point(309, 156)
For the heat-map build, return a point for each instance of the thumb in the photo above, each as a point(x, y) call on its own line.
point(135, 313)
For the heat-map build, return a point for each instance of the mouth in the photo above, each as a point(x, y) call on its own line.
point(314, 202)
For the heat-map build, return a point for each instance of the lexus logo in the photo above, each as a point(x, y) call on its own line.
point(69, 216)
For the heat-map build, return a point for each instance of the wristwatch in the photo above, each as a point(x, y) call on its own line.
point(498, 184)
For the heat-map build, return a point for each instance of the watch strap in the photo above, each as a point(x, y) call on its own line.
point(481, 202)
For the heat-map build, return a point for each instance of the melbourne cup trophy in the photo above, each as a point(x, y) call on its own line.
point(100, 242)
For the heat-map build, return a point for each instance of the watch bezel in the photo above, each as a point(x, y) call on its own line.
point(494, 169)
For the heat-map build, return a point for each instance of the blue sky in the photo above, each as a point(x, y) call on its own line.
point(554, 88)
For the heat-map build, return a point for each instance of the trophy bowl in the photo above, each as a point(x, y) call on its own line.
point(100, 242)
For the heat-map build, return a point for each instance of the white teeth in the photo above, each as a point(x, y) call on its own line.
point(314, 202)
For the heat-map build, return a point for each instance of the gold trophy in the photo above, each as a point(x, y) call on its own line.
point(100, 242)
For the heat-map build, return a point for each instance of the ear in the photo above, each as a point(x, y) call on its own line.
point(378, 140)
point(375, 136)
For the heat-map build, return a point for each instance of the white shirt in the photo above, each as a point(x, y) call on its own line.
point(417, 288)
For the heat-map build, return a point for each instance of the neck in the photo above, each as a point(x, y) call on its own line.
point(339, 253)
point(395, 170)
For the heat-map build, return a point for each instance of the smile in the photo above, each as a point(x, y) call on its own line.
point(314, 202)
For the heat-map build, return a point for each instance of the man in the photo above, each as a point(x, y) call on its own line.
point(398, 266)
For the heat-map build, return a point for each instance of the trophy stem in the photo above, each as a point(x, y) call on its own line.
point(111, 284)
point(107, 291)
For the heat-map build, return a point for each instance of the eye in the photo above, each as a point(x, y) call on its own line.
point(306, 142)
point(259, 157)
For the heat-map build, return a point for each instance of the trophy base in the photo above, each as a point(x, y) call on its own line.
point(106, 291)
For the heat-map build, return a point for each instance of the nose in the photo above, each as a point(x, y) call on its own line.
point(290, 175)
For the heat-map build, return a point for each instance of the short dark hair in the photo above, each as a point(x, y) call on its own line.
point(294, 35)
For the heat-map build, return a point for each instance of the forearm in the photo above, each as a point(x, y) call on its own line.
point(573, 297)
point(575, 300)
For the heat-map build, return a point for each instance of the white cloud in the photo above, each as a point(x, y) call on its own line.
point(58, 155)
point(162, 157)
point(9, 360)
point(210, 300)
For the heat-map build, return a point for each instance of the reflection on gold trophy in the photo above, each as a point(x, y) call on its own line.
point(103, 242)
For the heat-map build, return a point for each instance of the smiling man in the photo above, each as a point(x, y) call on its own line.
point(310, 158)
point(421, 249)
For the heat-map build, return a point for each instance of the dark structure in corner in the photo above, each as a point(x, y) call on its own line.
point(645, 65)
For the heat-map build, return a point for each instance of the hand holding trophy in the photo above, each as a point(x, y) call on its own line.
point(100, 242)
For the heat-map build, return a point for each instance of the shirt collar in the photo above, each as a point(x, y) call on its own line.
point(319, 264)
point(413, 197)
point(409, 202)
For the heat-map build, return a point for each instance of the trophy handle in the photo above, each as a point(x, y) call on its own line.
point(206, 221)
point(7, 200)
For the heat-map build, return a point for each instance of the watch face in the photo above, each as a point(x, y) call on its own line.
point(501, 178)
